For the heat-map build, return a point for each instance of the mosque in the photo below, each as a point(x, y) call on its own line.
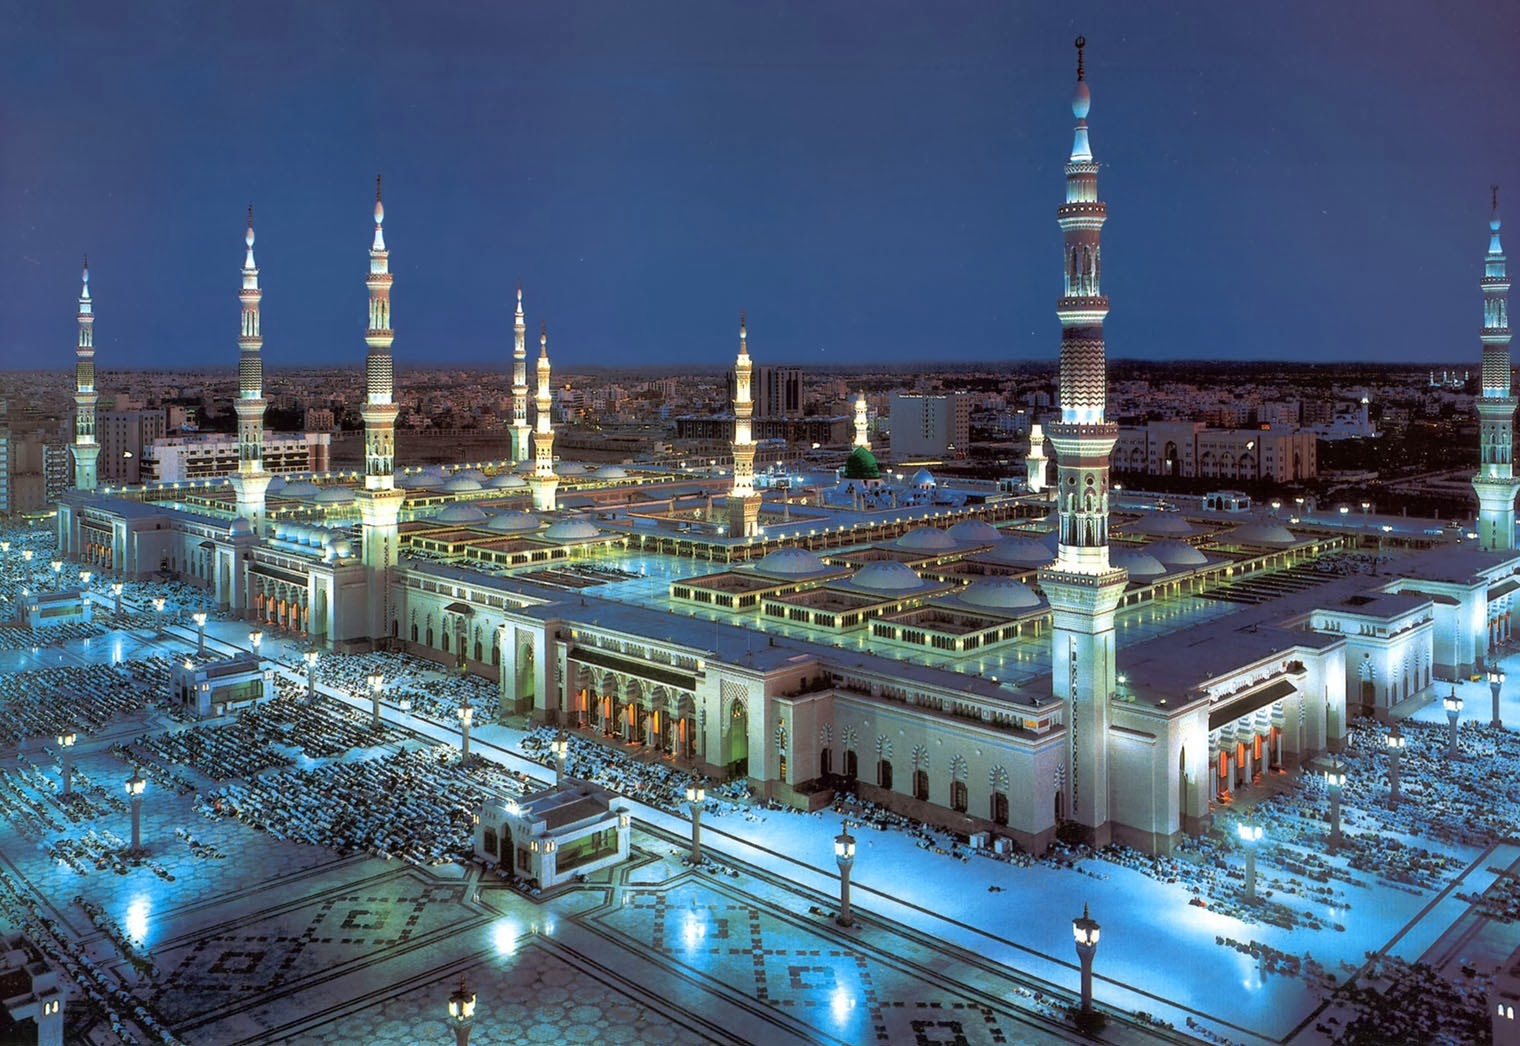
point(1008, 664)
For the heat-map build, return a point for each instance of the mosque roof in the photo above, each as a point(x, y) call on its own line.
point(861, 464)
point(1263, 533)
point(975, 531)
point(335, 496)
point(999, 593)
point(886, 575)
point(571, 530)
point(1175, 553)
point(458, 513)
point(791, 562)
point(928, 539)
point(514, 522)
point(460, 484)
point(1160, 524)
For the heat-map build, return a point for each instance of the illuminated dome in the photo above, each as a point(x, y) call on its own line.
point(1263, 534)
point(458, 513)
point(923, 478)
point(276, 485)
point(240, 528)
point(571, 530)
point(420, 481)
point(335, 496)
point(974, 531)
point(926, 539)
point(1177, 554)
point(1161, 524)
point(1141, 565)
point(526, 467)
point(999, 593)
point(861, 464)
point(791, 562)
point(611, 472)
point(1020, 552)
point(570, 468)
point(301, 488)
point(513, 522)
point(343, 548)
point(475, 474)
point(506, 481)
point(461, 484)
point(886, 575)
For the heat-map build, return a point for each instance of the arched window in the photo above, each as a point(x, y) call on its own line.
point(489, 838)
point(958, 796)
point(921, 784)
point(445, 641)
point(479, 650)
point(999, 807)
point(884, 773)
point(825, 762)
point(430, 635)
point(851, 764)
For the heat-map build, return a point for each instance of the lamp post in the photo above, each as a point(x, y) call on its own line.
point(1495, 681)
point(66, 756)
point(376, 681)
point(1250, 834)
point(135, 785)
point(844, 853)
point(466, 715)
point(461, 1012)
point(199, 617)
point(1395, 742)
point(256, 641)
point(560, 746)
point(1335, 779)
point(310, 657)
point(57, 574)
point(1453, 705)
point(696, 795)
point(84, 578)
point(1085, 929)
point(158, 609)
point(116, 592)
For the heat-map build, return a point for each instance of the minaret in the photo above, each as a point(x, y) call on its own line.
point(86, 450)
point(250, 481)
point(860, 421)
point(379, 501)
point(544, 479)
point(1034, 463)
point(1495, 482)
point(743, 502)
point(1083, 588)
point(521, 448)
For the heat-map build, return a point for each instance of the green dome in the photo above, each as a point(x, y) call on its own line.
point(861, 464)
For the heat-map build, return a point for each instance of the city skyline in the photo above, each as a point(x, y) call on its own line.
point(868, 185)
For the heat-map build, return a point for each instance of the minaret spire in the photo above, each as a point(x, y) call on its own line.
point(1083, 588)
point(743, 502)
point(860, 421)
point(379, 502)
point(544, 480)
point(251, 481)
point(85, 449)
point(521, 444)
point(1495, 481)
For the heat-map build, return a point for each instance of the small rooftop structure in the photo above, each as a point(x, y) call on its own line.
point(549, 837)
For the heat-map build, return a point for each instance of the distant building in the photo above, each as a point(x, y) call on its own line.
point(122, 435)
point(776, 391)
point(1193, 449)
point(798, 431)
point(174, 459)
point(320, 420)
point(930, 426)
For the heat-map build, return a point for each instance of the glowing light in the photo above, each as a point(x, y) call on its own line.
point(505, 936)
point(137, 918)
point(842, 1004)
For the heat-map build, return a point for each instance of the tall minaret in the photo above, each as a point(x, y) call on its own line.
point(743, 502)
point(86, 450)
point(1495, 482)
point(860, 421)
point(1083, 588)
point(544, 479)
point(1034, 463)
point(250, 481)
point(521, 448)
point(379, 501)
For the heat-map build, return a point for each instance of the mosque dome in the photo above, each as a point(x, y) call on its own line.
point(1177, 554)
point(335, 496)
point(458, 513)
point(1264, 534)
point(861, 464)
point(506, 481)
point(570, 468)
point(923, 478)
point(571, 530)
point(999, 593)
point(343, 548)
point(926, 539)
point(276, 485)
point(1020, 552)
point(975, 531)
point(301, 488)
point(886, 575)
point(611, 472)
point(791, 562)
point(475, 474)
point(1160, 524)
point(513, 522)
point(461, 484)
point(240, 528)
point(1141, 565)
point(420, 481)
point(437, 470)
point(526, 467)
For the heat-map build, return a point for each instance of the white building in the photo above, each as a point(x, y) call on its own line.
point(930, 426)
point(552, 836)
point(174, 459)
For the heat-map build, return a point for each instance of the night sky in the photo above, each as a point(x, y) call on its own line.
point(871, 181)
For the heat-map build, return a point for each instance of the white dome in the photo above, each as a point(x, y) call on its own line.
point(571, 530)
point(611, 472)
point(1161, 524)
point(506, 481)
point(513, 522)
point(343, 548)
point(240, 528)
point(335, 496)
point(457, 513)
point(437, 470)
point(460, 484)
point(926, 539)
point(923, 478)
point(999, 593)
point(475, 474)
point(975, 531)
point(1177, 554)
point(570, 468)
point(276, 484)
point(1020, 552)
point(886, 575)
point(1264, 534)
point(791, 562)
point(1141, 565)
point(301, 488)
point(420, 481)
point(526, 467)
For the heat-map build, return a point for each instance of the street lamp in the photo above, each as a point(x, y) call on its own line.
point(1453, 705)
point(696, 795)
point(844, 853)
point(560, 746)
point(116, 591)
point(256, 640)
point(1395, 742)
point(57, 574)
point(199, 617)
point(1250, 834)
point(1335, 779)
point(1495, 681)
point(461, 1012)
point(66, 752)
point(310, 657)
point(376, 681)
point(135, 785)
point(1085, 930)
point(466, 715)
point(84, 578)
